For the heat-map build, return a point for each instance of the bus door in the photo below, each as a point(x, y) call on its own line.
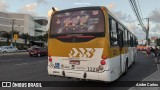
point(120, 42)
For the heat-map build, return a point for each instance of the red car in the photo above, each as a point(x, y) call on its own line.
point(38, 51)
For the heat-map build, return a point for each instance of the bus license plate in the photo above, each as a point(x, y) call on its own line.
point(74, 62)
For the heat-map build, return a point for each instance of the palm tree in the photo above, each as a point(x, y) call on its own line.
point(25, 37)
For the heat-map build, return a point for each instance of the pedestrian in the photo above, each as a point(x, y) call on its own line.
point(152, 51)
point(148, 51)
point(156, 51)
point(158, 58)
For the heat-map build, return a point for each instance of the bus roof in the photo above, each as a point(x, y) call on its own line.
point(93, 7)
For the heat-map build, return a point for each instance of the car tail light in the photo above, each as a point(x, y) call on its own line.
point(50, 59)
point(103, 62)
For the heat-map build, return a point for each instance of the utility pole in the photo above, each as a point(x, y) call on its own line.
point(147, 31)
point(13, 21)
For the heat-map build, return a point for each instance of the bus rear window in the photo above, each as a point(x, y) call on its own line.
point(77, 22)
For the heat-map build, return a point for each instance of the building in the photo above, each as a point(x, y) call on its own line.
point(24, 23)
point(153, 41)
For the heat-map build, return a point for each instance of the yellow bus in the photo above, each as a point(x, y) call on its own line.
point(89, 43)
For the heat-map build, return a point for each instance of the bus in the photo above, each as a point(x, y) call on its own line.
point(89, 43)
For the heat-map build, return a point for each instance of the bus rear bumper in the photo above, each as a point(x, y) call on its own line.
point(103, 76)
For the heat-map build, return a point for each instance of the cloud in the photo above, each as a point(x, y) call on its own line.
point(41, 1)
point(29, 8)
point(154, 34)
point(155, 16)
point(3, 5)
point(156, 28)
point(123, 16)
point(111, 6)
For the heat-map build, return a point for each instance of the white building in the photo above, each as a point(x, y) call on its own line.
point(24, 23)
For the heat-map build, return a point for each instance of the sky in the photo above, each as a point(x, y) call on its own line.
point(120, 8)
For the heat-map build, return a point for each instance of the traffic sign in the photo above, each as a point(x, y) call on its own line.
point(15, 36)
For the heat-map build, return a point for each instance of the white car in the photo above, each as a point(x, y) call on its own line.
point(5, 49)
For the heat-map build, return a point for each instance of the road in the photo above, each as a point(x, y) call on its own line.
point(22, 67)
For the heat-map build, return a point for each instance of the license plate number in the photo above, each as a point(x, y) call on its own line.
point(74, 62)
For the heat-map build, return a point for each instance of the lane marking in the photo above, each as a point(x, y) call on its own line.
point(42, 61)
point(22, 64)
point(29, 63)
point(11, 60)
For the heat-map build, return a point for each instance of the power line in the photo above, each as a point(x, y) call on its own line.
point(140, 8)
point(136, 11)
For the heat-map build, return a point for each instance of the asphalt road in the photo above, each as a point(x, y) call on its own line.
point(22, 67)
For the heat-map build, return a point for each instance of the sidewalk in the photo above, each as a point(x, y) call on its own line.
point(153, 77)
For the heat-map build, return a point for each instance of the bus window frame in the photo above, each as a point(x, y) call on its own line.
point(121, 27)
point(96, 34)
point(111, 32)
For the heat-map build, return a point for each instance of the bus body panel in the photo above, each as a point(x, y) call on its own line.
point(88, 55)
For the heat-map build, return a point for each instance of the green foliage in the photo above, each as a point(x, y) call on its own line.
point(43, 38)
point(158, 42)
point(25, 37)
point(7, 36)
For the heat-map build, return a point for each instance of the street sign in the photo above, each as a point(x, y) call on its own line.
point(15, 36)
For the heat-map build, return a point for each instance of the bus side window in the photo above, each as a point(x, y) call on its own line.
point(129, 38)
point(120, 35)
point(113, 32)
point(126, 38)
point(132, 41)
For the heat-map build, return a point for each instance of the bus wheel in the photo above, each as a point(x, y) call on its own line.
point(134, 58)
point(126, 68)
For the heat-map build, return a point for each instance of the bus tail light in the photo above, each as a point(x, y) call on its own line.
point(104, 56)
point(103, 62)
point(50, 59)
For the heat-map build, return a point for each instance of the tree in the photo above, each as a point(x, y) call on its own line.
point(45, 39)
point(25, 37)
point(7, 36)
point(149, 41)
point(158, 42)
point(32, 38)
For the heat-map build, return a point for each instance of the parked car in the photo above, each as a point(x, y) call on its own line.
point(6, 49)
point(38, 51)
